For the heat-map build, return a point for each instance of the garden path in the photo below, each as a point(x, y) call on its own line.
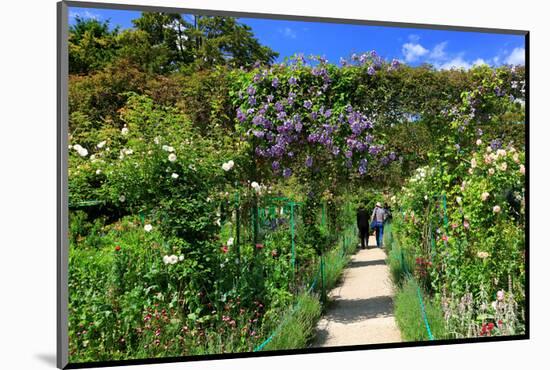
point(361, 306)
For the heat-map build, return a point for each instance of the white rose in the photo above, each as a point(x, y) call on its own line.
point(478, 142)
point(124, 130)
point(175, 175)
point(148, 227)
point(172, 157)
point(101, 144)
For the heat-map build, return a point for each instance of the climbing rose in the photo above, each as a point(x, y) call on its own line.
point(478, 142)
point(228, 165)
point(230, 242)
point(148, 227)
point(484, 196)
point(522, 169)
point(225, 249)
point(259, 246)
point(172, 157)
point(496, 209)
point(482, 255)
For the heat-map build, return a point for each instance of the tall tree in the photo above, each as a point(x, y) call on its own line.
point(92, 45)
point(204, 40)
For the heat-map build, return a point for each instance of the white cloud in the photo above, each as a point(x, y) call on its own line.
point(479, 62)
point(288, 32)
point(516, 57)
point(460, 63)
point(86, 14)
point(455, 63)
point(438, 52)
point(413, 51)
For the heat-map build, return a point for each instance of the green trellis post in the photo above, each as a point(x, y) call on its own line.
point(238, 226)
point(323, 215)
point(323, 287)
point(292, 235)
point(445, 220)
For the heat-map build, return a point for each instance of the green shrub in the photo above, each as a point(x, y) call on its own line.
point(408, 314)
point(298, 325)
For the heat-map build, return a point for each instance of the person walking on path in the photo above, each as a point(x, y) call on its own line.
point(377, 223)
point(363, 225)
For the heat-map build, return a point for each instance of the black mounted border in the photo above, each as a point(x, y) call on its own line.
point(62, 195)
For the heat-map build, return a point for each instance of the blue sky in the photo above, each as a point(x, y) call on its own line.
point(443, 49)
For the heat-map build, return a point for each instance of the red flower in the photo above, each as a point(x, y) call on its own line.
point(490, 326)
point(445, 238)
point(225, 249)
point(483, 329)
point(117, 248)
point(259, 246)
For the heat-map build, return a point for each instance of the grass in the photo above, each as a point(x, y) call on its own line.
point(409, 314)
point(298, 324)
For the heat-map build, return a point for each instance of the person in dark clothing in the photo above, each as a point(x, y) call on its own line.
point(363, 225)
point(388, 212)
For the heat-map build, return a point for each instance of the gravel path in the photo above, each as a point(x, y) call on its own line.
point(361, 307)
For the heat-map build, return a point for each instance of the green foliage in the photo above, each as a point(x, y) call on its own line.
point(181, 236)
point(298, 326)
point(408, 314)
point(92, 45)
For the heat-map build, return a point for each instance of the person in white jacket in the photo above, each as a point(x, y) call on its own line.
point(377, 223)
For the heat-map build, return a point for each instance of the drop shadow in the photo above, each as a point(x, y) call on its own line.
point(321, 336)
point(354, 264)
point(47, 358)
point(354, 310)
